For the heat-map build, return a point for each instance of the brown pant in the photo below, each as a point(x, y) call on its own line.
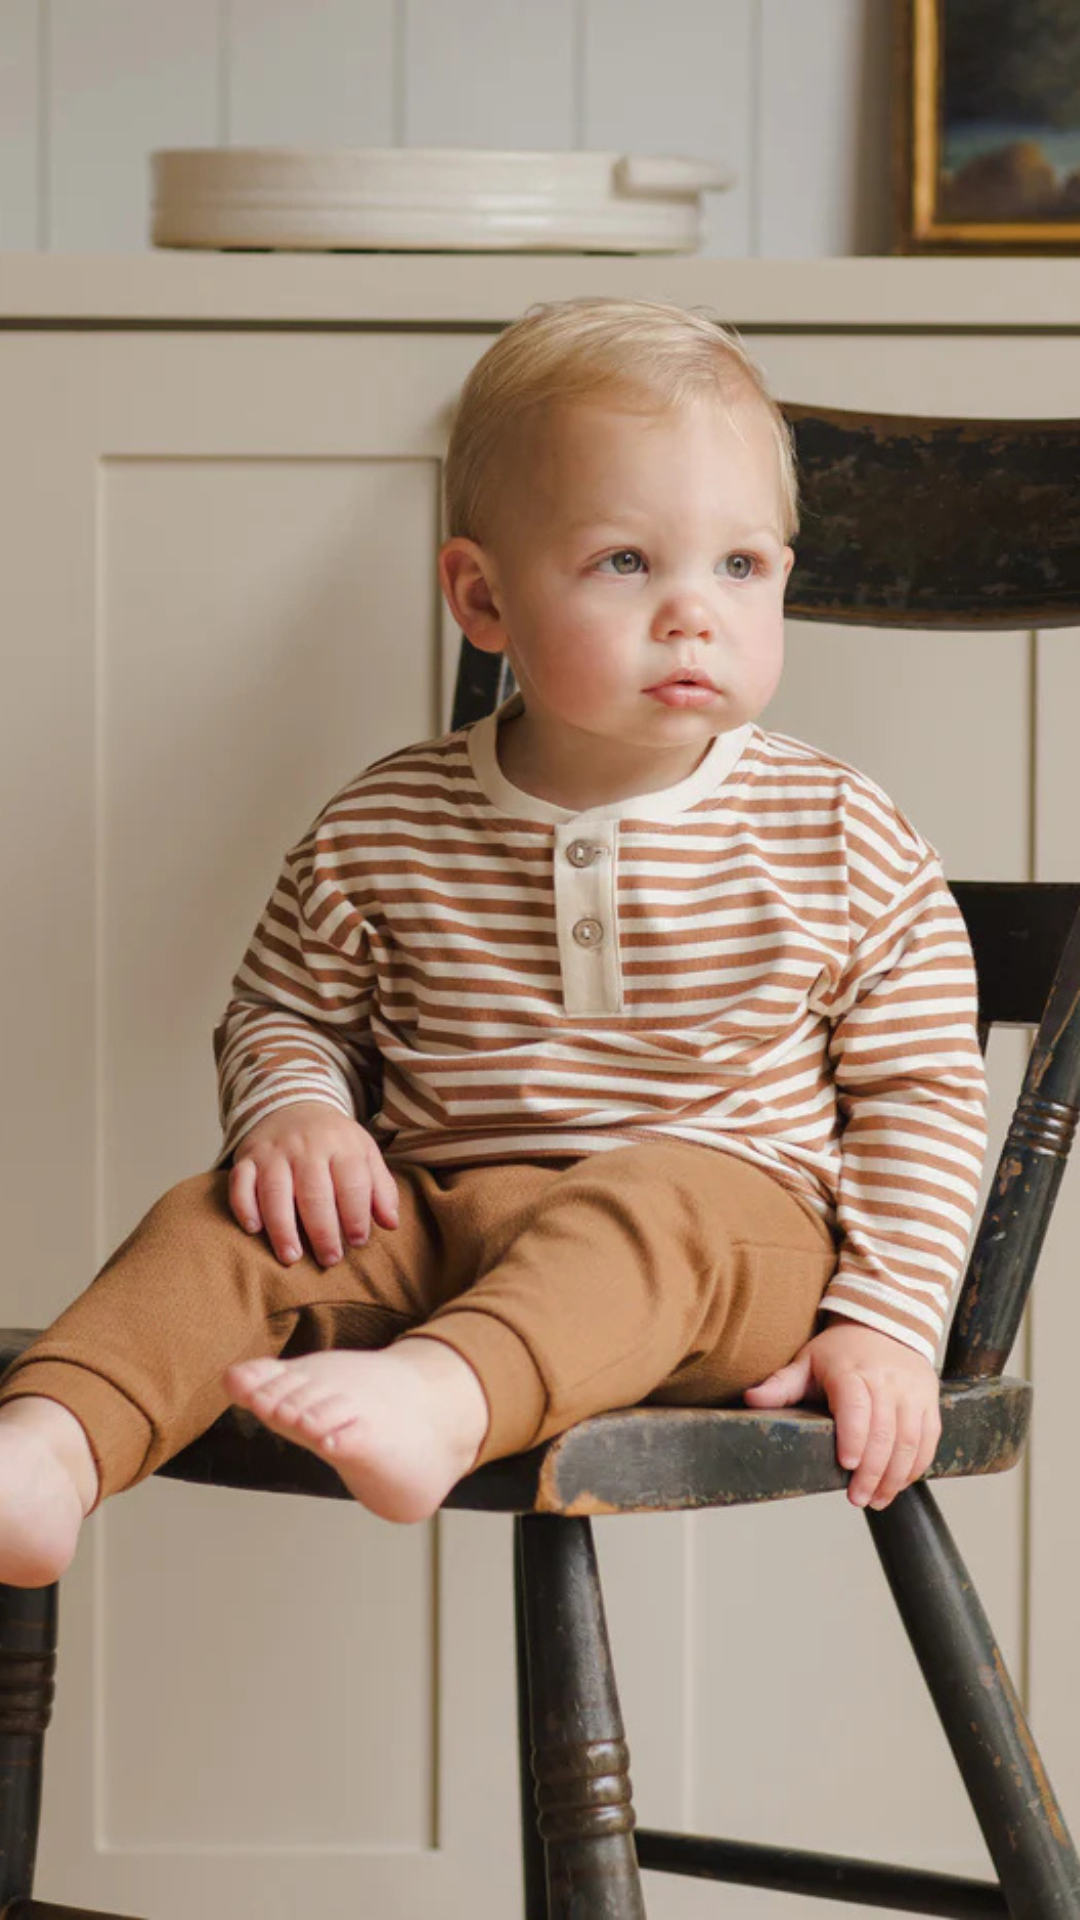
point(661, 1270)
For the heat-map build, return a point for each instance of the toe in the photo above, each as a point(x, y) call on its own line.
point(297, 1401)
point(269, 1401)
point(249, 1377)
point(313, 1419)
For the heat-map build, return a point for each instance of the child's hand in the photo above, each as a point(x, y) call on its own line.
point(308, 1159)
point(883, 1396)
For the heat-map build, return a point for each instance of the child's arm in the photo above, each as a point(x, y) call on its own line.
point(911, 1093)
point(298, 1067)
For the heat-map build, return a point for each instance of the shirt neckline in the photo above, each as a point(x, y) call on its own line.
point(665, 804)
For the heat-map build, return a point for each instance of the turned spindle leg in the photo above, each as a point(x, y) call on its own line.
point(27, 1668)
point(580, 1757)
point(534, 1871)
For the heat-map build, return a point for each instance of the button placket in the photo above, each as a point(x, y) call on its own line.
point(586, 916)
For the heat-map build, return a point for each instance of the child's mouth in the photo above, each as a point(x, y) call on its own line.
point(683, 693)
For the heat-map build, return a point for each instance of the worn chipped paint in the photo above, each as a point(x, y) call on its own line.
point(898, 515)
point(1033, 1757)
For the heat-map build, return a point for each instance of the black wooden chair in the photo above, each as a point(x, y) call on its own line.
point(906, 523)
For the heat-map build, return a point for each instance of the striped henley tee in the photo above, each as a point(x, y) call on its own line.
point(764, 959)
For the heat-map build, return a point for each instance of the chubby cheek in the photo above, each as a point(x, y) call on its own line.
point(763, 663)
point(569, 655)
point(577, 676)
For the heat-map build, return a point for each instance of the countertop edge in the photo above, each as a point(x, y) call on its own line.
point(476, 290)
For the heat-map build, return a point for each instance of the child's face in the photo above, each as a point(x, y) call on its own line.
point(634, 546)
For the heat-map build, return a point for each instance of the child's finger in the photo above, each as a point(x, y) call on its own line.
point(316, 1203)
point(384, 1193)
point(851, 1406)
point(878, 1451)
point(352, 1187)
point(275, 1194)
point(899, 1471)
point(243, 1198)
point(784, 1387)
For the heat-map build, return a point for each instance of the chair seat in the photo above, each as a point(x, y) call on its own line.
point(667, 1459)
point(640, 1460)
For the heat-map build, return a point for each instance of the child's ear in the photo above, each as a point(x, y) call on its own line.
point(470, 585)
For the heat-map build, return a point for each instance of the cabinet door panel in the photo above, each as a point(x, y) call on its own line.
point(219, 602)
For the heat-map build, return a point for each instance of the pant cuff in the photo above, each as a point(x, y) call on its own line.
point(118, 1432)
point(513, 1385)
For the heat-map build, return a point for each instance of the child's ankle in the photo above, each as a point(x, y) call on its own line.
point(462, 1399)
point(59, 1429)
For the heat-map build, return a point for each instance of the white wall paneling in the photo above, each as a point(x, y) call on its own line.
point(679, 77)
point(491, 73)
point(23, 125)
point(125, 76)
point(792, 95)
point(322, 74)
point(822, 147)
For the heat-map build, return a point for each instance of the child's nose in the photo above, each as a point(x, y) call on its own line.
point(685, 616)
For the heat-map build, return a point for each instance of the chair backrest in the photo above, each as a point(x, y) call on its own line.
point(911, 522)
point(933, 523)
point(1026, 940)
point(974, 524)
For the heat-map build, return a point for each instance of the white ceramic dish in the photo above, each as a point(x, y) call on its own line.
point(429, 199)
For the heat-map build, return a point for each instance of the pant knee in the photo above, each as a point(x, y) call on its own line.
point(181, 1217)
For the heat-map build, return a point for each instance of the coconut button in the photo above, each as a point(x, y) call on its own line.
point(582, 853)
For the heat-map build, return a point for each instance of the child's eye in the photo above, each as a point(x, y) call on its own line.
point(740, 566)
point(626, 553)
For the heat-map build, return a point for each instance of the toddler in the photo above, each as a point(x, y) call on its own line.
point(610, 1049)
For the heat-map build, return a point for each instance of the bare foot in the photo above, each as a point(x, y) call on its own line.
point(48, 1484)
point(400, 1425)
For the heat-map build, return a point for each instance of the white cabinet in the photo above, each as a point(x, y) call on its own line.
point(218, 599)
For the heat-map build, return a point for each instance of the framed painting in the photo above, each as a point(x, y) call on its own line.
point(988, 126)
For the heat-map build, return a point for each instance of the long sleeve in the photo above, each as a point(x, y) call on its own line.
point(298, 1024)
point(912, 1098)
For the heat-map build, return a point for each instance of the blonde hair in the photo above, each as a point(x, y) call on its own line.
point(642, 351)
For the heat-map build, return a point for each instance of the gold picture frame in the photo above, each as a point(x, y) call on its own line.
point(1008, 182)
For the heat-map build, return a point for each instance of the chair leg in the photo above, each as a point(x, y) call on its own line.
point(532, 1846)
point(1022, 1825)
point(27, 1666)
point(580, 1757)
